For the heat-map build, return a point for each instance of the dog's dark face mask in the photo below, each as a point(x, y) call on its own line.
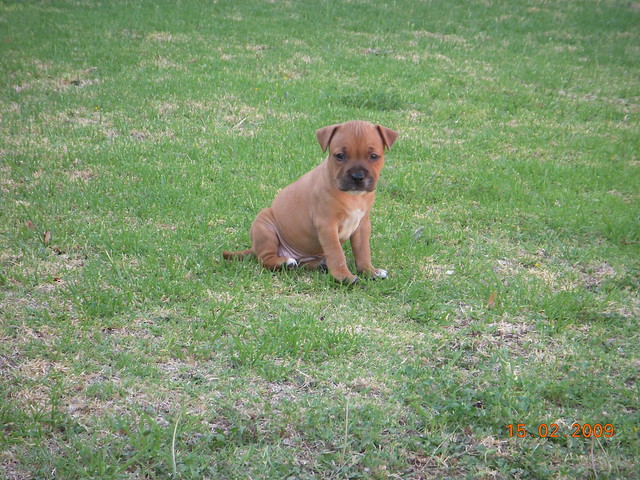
point(357, 179)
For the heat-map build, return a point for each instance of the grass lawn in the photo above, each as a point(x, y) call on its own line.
point(138, 139)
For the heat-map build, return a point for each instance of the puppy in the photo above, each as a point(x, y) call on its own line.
point(311, 218)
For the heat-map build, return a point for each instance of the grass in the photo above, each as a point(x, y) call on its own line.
point(139, 139)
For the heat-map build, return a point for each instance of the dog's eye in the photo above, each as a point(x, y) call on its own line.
point(373, 157)
point(340, 156)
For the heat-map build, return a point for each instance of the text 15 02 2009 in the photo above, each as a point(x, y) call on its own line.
point(552, 430)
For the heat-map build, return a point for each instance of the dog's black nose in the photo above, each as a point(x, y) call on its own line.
point(357, 176)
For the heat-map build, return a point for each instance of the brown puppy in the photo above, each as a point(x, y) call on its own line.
point(311, 218)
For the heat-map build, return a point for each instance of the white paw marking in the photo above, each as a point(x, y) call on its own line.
point(291, 262)
point(380, 273)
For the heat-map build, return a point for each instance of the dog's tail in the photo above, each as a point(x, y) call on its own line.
point(236, 255)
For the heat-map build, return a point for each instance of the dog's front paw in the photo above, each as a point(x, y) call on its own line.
point(346, 279)
point(380, 273)
point(374, 273)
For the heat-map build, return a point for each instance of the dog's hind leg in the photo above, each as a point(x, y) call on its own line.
point(265, 243)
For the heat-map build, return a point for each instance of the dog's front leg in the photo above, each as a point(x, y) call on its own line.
point(336, 260)
point(362, 249)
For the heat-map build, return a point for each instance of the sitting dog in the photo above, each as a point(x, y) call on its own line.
point(311, 218)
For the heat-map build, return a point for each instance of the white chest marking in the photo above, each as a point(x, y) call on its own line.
point(350, 224)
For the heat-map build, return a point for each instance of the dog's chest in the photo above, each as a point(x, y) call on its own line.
point(350, 224)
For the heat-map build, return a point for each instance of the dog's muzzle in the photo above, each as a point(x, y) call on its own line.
point(357, 179)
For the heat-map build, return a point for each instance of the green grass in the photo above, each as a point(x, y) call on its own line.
point(139, 139)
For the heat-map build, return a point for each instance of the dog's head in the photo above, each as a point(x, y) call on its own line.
point(356, 153)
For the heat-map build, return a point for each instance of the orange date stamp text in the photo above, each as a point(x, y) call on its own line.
point(552, 430)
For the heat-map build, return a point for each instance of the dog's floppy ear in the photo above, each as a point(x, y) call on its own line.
point(325, 134)
point(388, 136)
